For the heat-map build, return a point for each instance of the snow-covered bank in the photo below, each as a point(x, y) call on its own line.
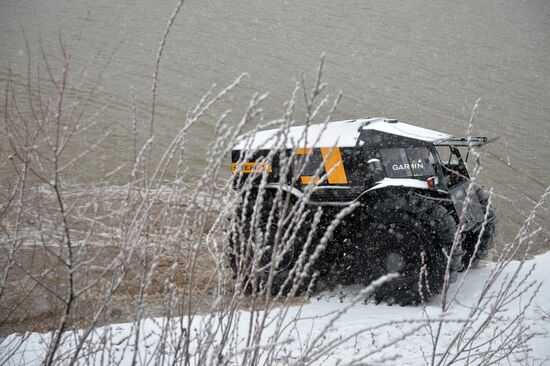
point(365, 333)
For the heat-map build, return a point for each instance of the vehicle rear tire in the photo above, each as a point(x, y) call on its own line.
point(242, 248)
point(408, 236)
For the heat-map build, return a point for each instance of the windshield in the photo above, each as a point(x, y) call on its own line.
point(408, 162)
point(453, 166)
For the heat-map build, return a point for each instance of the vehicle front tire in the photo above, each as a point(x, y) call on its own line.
point(408, 236)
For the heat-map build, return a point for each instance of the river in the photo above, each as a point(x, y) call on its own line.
point(424, 62)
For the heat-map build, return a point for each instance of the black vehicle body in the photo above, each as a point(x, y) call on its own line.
point(370, 161)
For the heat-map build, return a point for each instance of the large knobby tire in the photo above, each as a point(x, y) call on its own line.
point(486, 239)
point(409, 236)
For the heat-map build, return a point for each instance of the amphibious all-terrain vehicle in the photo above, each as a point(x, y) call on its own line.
point(412, 187)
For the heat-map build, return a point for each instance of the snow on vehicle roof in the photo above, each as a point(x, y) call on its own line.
point(339, 133)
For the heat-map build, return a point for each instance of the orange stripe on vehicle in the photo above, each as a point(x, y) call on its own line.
point(334, 160)
point(306, 179)
point(303, 150)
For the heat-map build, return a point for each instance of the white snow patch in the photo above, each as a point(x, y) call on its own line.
point(312, 320)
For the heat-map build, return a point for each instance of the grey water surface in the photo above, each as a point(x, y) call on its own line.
point(424, 62)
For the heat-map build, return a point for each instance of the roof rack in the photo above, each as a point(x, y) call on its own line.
point(465, 141)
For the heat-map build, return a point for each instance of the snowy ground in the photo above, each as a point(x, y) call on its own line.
point(348, 334)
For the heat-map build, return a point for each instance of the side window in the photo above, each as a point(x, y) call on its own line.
point(358, 161)
point(396, 163)
point(421, 161)
point(446, 156)
point(408, 162)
